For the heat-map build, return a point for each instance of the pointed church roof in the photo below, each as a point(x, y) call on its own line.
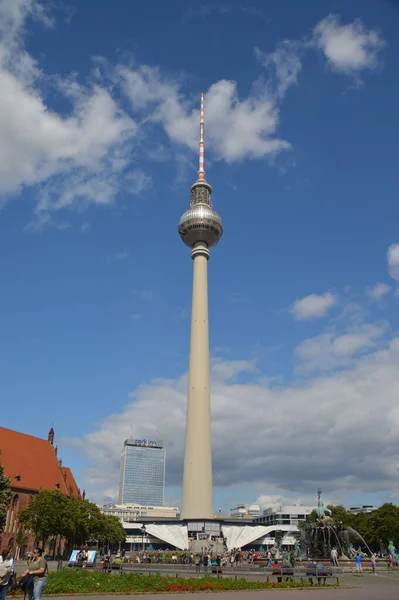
point(32, 464)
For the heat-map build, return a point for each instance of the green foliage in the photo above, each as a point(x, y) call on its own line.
point(21, 538)
point(382, 526)
point(74, 581)
point(339, 514)
point(52, 514)
point(376, 528)
point(313, 516)
point(5, 496)
point(85, 521)
point(111, 530)
point(47, 515)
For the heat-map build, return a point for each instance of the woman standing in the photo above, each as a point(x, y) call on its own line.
point(6, 569)
point(39, 569)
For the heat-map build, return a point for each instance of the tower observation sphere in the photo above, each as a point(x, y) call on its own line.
point(200, 223)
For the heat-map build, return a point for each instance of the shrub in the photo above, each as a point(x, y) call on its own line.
point(71, 581)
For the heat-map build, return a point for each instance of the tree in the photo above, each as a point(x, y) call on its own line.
point(111, 530)
point(85, 521)
point(21, 539)
point(5, 496)
point(47, 515)
point(382, 526)
point(339, 514)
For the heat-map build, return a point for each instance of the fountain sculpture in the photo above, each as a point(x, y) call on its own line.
point(320, 537)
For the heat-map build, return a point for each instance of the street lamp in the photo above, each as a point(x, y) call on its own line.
point(143, 532)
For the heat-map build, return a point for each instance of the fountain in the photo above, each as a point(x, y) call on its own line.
point(392, 551)
point(319, 538)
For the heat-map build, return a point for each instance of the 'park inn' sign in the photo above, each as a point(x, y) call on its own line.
point(145, 443)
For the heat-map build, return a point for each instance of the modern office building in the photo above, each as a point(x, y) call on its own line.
point(284, 515)
point(366, 509)
point(142, 473)
point(133, 512)
point(245, 511)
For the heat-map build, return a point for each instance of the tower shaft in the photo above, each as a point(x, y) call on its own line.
point(197, 475)
point(200, 228)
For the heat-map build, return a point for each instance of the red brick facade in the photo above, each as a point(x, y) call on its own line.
point(32, 465)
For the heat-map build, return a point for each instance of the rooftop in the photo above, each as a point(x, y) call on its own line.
point(32, 464)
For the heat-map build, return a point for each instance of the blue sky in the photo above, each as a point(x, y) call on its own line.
point(98, 143)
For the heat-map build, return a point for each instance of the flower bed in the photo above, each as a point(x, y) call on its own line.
point(70, 581)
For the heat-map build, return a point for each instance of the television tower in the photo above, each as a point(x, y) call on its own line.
point(200, 227)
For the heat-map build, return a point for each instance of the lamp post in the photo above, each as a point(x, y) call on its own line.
point(143, 532)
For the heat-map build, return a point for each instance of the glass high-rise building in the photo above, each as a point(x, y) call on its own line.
point(142, 475)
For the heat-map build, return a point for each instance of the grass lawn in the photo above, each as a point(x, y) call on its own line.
point(71, 581)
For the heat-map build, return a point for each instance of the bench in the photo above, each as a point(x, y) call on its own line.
point(81, 565)
point(304, 573)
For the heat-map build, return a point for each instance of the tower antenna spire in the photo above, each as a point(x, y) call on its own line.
point(201, 170)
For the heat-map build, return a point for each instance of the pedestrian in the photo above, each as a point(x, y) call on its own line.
point(374, 563)
point(311, 570)
point(334, 557)
point(277, 568)
point(39, 569)
point(6, 570)
point(206, 562)
point(359, 568)
point(198, 563)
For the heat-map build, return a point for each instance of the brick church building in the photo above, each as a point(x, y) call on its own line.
point(32, 465)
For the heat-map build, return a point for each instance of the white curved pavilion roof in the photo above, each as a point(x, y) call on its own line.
point(175, 535)
point(237, 536)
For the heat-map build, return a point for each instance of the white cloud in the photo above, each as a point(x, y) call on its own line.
point(393, 261)
point(91, 152)
point(75, 157)
point(275, 501)
point(378, 290)
point(348, 48)
point(84, 155)
point(145, 295)
point(235, 129)
point(284, 64)
point(313, 306)
point(338, 431)
point(329, 351)
point(118, 256)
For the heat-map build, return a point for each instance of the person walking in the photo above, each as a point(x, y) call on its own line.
point(334, 557)
point(198, 563)
point(359, 568)
point(6, 570)
point(374, 563)
point(38, 568)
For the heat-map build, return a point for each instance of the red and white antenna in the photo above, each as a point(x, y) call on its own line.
point(201, 170)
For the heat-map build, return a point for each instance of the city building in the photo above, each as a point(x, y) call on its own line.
point(200, 228)
point(142, 473)
point(134, 512)
point(32, 465)
point(284, 515)
point(366, 509)
point(245, 511)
